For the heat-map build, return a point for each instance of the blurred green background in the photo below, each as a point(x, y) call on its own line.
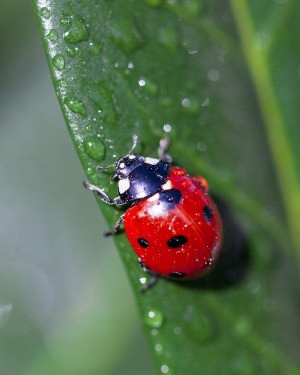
point(60, 294)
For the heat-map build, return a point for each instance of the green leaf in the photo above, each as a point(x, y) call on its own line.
point(122, 68)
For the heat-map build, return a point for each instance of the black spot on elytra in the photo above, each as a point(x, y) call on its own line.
point(178, 275)
point(169, 198)
point(177, 241)
point(144, 243)
point(207, 213)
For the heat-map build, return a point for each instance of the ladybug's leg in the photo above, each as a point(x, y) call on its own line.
point(105, 198)
point(154, 277)
point(162, 150)
point(116, 227)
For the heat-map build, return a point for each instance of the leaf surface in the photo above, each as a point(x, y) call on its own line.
point(138, 67)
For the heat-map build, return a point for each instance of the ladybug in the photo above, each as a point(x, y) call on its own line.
point(172, 223)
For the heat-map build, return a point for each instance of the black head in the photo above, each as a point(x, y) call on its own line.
point(140, 177)
point(127, 164)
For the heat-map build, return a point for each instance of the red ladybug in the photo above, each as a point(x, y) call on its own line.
point(172, 223)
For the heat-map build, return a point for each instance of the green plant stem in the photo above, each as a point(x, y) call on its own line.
point(283, 159)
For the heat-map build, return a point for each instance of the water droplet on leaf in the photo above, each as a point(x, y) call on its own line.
point(165, 369)
point(62, 83)
point(213, 75)
point(94, 49)
point(75, 105)
point(154, 318)
point(177, 330)
point(58, 62)
point(76, 30)
point(94, 148)
point(190, 106)
point(167, 128)
point(52, 36)
point(45, 13)
point(70, 52)
point(148, 86)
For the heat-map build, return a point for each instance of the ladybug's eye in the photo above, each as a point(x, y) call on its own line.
point(177, 241)
point(144, 243)
point(207, 213)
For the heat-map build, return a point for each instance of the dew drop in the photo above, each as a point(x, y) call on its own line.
point(52, 36)
point(164, 369)
point(201, 146)
point(213, 75)
point(94, 148)
point(76, 30)
point(167, 128)
point(75, 105)
point(64, 22)
point(45, 13)
point(70, 52)
point(190, 105)
point(154, 332)
point(158, 347)
point(205, 102)
point(62, 83)
point(58, 62)
point(177, 331)
point(88, 128)
point(142, 82)
point(186, 183)
point(78, 51)
point(143, 280)
point(154, 318)
point(94, 49)
point(148, 86)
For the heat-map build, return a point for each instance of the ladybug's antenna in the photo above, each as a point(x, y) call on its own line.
point(100, 168)
point(134, 143)
point(134, 140)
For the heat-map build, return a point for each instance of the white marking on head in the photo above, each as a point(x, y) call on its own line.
point(131, 156)
point(154, 198)
point(151, 161)
point(123, 185)
point(167, 186)
point(121, 165)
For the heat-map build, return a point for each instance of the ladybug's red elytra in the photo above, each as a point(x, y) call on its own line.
point(172, 223)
